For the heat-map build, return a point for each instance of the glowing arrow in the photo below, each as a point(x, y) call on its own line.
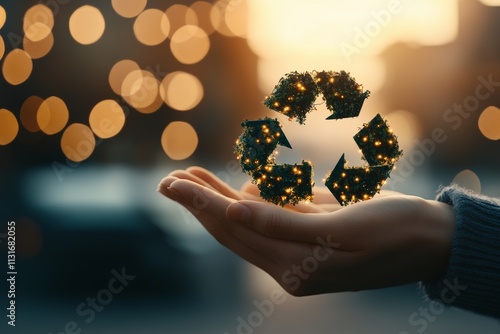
point(255, 146)
point(353, 184)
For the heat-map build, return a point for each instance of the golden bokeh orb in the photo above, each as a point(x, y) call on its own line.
point(78, 142)
point(87, 25)
point(9, 127)
point(179, 140)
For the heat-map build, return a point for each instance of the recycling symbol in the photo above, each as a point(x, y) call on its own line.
point(294, 96)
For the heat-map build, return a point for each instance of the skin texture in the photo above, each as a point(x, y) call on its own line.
point(321, 247)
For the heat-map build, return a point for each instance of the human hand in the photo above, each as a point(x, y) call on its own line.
point(321, 247)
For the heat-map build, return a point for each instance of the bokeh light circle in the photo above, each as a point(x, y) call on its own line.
point(128, 8)
point(40, 48)
point(180, 15)
point(37, 31)
point(189, 44)
point(28, 114)
point(132, 83)
point(17, 67)
point(107, 119)
point(141, 89)
point(3, 16)
point(489, 123)
point(38, 22)
point(202, 10)
point(52, 115)
point(2, 47)
point(151, 27)
point(181, 91)
point(218, 18)
point(236, 18)
point(78, 142)
point(87, 25)
point(469, 180)
point(119, 72)
point(179, 140)
point(9, 127)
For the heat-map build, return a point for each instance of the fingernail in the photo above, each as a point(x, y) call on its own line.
point(164, 185)
point(239, 212)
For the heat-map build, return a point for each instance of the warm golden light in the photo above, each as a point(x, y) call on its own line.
point(236, 17)
point(489, 123)
point(147, 94)
point(9, 127)
point(29, 111)
point(202, 10)
point(2, 48)
point(38, 22)
point(119, 72)
point(180, 15)
point(491, 2)
point(40, 48)
point(107, 119)
point(151, 27)
point(317, 34)
point(179, 140)
point(154, 106)
point(131, 83)
point(3, 16)
point(189, 44)
point(52, 115)
point(181, 91)
point(77, 142)
point(17, 67)
point(218, 17)
point(37, 31)
point(468, 179)
point(127, 8)
point(87, 25)
point(140, 89)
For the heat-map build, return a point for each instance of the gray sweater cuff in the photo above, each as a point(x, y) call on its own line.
point(472, 279)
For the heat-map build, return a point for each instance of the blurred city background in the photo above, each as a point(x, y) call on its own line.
point(100, 99)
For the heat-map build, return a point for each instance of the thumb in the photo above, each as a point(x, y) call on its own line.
point(276, 222)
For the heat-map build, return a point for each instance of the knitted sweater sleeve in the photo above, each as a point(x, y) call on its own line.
point(472, 279)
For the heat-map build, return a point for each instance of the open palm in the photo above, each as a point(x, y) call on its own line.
point(321, 247)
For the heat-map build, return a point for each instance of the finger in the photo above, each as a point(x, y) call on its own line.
point(276, 222)
point(163, 188)
point(305, 207)
point(250, 188)
point(385, 193)
point(322, 195)
point(216, 183)
point(186, 175)
point(210, 211)
point(251, 192)
point(330, 207)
